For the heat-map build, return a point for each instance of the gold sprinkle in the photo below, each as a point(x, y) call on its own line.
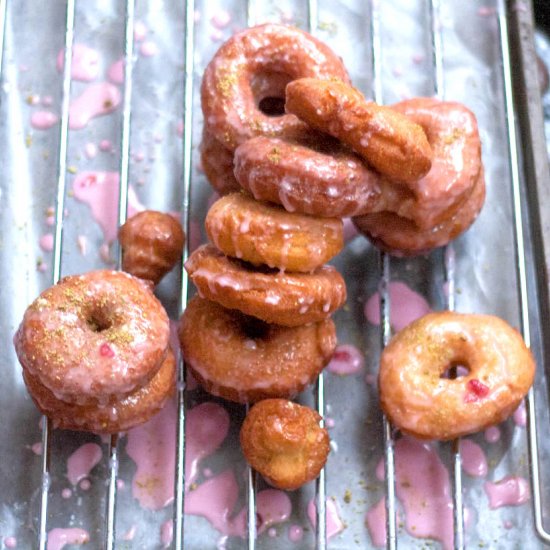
point(72, 169)
point(226, 83)
point(28, 140)
point(275, 155)
point(347, 496)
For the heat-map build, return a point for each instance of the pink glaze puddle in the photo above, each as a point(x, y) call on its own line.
point(334, 523)
point(167, 533)
point(99, 190)
point(96, 100)
point(474, 461)
point(115, 73)
point(42, 120)
point(46, 242)
point(148, 48)
point(58, 538)
point(10, 542)
point(406, 306)
point(376, 523)
point(347, 359)
point(272, 507)
point(295, 533)
point(82, 461)
point(520, 415)
point(492, 434)
point(84, 65)
point(422, 486)
point(509, 491)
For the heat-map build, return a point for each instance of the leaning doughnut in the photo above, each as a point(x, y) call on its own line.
point(262, 233)
point(93, 336)
point(217, 163)
point(316, 177)
point(243, 359)
point(418, 400)
point(389, 142)
point(117, 414)
point(231, 110)
point(401, 237)
point(284, 442)
point(288, 299)
point(152, 243)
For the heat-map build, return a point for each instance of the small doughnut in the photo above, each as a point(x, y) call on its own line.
point(284, 443)
point(261, 233)
point(117, 414)
point(288, 299)
point(401, 237)
point(420, 401)
point(93, 336)
point(152, 243)
point(243, 359)
point(217, 163)
point(313, 177)
point(241, 68)
point(388, 141)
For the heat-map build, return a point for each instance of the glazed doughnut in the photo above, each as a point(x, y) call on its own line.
point(231, 110)
point(288, 299)
point(315, 177)
point(93, 336)
point(243, 359)
point(284, 443)
point(262, 233)
point(217, 163)
point(117, 414)
point(388, 141)
point(419, 401)
point(152, 243)
point(401, 237)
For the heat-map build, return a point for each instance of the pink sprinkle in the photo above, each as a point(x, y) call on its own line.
point(492, 434)
point(347, 359)
point(10, 542)
point(272, 532)
point(167, 533)
point(42, 266)
point(46, 242)
point(221, 19)
point(105, 350)
point(84, 65)
point(42, 120)
point(417, 58)
point(116, 72)
point(329, 422)
point(120, 484)
point(295, 533)
point(50, 220)
point(207, 472)
point(36, 448)
point(520, 415)
point(105, 145)
point(140, 31)
point(90, 150)
point(130, 534)
point(509, 491)
point(66, 493)
point(148, 48)
point(139, 156)
point(507, 524)
point(85, 484)
point(47, 101)
point(478, 390)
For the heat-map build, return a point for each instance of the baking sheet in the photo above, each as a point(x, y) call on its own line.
point(485, 257)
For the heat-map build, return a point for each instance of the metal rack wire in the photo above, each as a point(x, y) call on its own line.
point(384, 281)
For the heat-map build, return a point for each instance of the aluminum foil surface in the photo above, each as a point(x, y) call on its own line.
point(486, 280)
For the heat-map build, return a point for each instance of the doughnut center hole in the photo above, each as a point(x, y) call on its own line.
point(268, 89)
point(98, 321)
point(272, 106)
point(254, 329)
point(456, 369)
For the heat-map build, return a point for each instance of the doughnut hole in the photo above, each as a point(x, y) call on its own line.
point(456, 369)
point(268, 89)
point(99, 318)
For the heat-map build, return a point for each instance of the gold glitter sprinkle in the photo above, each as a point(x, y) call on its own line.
point(226, 84)
point(72, 169)
point(275, 155)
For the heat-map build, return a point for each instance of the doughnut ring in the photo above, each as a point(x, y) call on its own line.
point(118, 414)
point(313, 177)
point(420, 401)
point(284, 442)
point(231, 110)
point(262, 233)
point(388, 141)
point(244, 360)
point(93, 336)
point(288, 299)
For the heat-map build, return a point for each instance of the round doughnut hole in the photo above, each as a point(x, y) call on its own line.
point(98, 320)
point(456, 369)
point(268, 88)
point(272, 106)
point(254, 329)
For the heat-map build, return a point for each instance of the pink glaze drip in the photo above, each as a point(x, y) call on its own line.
point(46, 242)
point(492, 434)
point(167, 533)
point(10, 542)
point(148, 48)
point(509, 491)
point(272, 507)
point(406, 306)
point(130, 534)
point(115, 72)
point(96, 100)
point(84, 65)
point(474, 461)
point(295, 533)
point(42, 120)
point(422, 486)
point(334, 523)
point(82, 461)
point(99, 190)
point(347, 359)
point(376, 523)
point(520, 415)
point(58, 538)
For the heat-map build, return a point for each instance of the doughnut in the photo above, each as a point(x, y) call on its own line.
point(241, 69)
point(152, 243)
point(93, 336)
point(313, 177)
point(401, 237)
point(217, 163)
point(288, 299)
point(117, 414)
point(243, 359)
point(284, 443)
point(420, 401)
point(388, 141)
point(261, 233)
